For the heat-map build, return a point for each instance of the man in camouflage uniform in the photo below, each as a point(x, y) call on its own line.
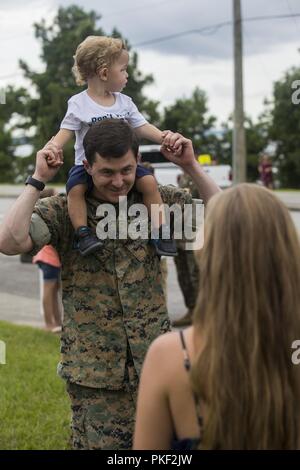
point(186, 263)
point(113, 300)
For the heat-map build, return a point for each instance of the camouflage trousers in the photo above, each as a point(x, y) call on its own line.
point(104, 419)
point(188, 276)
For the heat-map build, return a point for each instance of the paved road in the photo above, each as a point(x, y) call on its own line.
point(19, 285)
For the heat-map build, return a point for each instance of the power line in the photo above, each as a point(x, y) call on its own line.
point(295, 22)
point(213, 28)
point(249, 39)
point(209, 30)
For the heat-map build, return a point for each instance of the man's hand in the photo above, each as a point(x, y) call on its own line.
point(178, 150)
point(166, 135)
point(48, 162)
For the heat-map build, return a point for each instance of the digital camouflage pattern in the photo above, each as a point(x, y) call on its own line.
point(109, 298)
point(186, 182)
point(104, 419)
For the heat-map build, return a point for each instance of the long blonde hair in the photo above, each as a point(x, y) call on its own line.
point(248, 312)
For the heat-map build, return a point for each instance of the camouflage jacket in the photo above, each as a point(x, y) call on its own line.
point(186, 182)
point(110, 298)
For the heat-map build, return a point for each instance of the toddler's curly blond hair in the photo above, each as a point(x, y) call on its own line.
point(94, 53)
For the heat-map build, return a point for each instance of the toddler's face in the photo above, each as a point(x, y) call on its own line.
point(117, 73)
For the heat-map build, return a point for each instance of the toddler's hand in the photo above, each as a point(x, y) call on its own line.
point(168, 145)
point(166, 135)
point(55, 156)
point(51, 161)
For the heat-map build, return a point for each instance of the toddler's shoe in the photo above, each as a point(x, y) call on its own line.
point(87, 241)
point(164, 246)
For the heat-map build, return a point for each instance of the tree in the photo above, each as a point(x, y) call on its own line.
point(189, 117)
point(285, 128)
point(256, 141)
point(55, 85)
point(14, 106)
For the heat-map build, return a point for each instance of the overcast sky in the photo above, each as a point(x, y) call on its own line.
point(179, 64)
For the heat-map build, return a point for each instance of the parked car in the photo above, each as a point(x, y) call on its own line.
point(165, 172)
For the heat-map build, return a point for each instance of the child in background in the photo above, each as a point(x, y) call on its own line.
point(48, 262)
point(101, 63)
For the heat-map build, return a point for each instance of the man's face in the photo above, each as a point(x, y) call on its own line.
point(112, 177)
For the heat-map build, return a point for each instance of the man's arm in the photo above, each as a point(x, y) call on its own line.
point(14, 230)
point(179, 150)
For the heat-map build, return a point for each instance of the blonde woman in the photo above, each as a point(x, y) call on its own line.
point(228, 381)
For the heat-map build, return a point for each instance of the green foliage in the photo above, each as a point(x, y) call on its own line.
point(15, 104)
point(34, 406)
point(285, 129)
point(256, 141)
point(189, 117)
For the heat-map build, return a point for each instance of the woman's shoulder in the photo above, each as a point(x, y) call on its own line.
point(163, 347)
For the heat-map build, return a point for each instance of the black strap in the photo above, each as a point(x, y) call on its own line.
point(187, 366)
point(186, 358)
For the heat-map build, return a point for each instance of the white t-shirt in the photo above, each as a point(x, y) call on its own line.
point(83, 112)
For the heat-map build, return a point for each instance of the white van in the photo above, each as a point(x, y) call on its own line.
point(165, 172)
point(221, 174)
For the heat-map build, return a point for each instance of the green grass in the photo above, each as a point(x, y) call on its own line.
point(34, 406)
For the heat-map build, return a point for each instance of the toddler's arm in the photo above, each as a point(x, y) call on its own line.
point(60, 139)
point(149, 132)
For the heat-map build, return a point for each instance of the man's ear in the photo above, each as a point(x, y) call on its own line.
point(103, 73)
point(87, 166)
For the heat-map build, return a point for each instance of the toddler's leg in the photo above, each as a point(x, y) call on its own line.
point(88, 242)
point(77, 206)
point(153, 201)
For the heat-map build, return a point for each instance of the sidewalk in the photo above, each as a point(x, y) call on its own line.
point(290, 198)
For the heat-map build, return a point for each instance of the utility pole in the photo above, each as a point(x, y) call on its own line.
point(239, 140)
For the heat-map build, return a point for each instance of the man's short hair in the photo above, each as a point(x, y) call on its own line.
point(110, 138)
